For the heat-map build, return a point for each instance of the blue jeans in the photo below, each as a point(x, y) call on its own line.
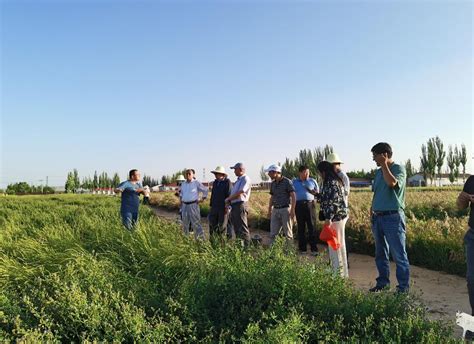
point(129, 219)
point(469, 245)
point(389, 234)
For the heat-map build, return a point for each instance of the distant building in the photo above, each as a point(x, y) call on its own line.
point(360, 182)
point(419, 180)
point(416, 180)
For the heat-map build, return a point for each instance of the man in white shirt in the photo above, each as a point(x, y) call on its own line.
point(238, 200)
point(189, 197)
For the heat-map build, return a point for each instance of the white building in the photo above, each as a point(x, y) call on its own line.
point(419, 180)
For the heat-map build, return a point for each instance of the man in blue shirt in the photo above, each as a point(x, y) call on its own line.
point(305, 189)
point(388, 219)
point(131, 190)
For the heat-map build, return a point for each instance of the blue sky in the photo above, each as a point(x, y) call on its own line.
point(114, 85)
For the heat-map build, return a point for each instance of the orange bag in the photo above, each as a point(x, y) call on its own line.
point(329, 235)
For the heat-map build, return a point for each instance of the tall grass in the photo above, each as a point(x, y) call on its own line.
point(435, 227)
point(69, 272)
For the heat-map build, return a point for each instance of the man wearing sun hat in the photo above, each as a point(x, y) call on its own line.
point(219, 215)
point(281, 207)
point(238, 200)
point(189, 196)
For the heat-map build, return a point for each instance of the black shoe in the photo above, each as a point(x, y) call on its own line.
point(401, 291)
point(378, 289)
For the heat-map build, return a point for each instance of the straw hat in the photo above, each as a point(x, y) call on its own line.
point(219, 169)
point(333, 158)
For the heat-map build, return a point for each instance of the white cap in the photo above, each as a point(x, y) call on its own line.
point(274, 167)
point(180, 178)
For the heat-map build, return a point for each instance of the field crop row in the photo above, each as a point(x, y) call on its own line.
point(69, 272)
point(435, 228)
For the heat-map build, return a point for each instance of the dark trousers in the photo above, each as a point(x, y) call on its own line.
point(469, 246)
point(305, 214)
point(238, 217)
point(219, 222)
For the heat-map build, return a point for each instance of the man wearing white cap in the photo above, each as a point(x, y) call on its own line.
point(218, 215)
point(281, 208)
point(238, 199)
point(189, 197)
point(334, 159)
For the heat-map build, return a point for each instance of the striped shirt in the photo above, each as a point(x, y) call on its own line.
point(281, 191)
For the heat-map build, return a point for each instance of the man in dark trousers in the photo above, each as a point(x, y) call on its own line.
point(466, 199)
point(219, 213)
point(305, 189)
point(131, 190)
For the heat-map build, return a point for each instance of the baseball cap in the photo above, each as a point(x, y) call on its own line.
point(238, 165)
point(274, 167)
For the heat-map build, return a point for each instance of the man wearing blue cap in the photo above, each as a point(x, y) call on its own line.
point(238, 200)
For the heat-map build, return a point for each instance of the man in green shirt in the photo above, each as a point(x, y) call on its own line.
point(388, 219)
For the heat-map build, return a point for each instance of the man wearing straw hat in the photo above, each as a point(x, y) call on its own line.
point(189, 197)
point(219, 214)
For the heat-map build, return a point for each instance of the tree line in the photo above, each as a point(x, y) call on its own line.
point(98, 181)
point(433, 156)
point(308, 157)
point(103, 181)
point(432, 160)
point(23, 188)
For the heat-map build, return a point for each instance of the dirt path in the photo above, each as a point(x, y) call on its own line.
point(443, 294)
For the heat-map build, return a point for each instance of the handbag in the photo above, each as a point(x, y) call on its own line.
point(329, 235)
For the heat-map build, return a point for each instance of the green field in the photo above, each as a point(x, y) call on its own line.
point(70, 272)
point(435, 228)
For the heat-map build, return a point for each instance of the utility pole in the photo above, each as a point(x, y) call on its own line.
point(46, 180)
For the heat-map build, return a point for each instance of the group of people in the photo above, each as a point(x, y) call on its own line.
point(296, 199)
point(228, 203)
